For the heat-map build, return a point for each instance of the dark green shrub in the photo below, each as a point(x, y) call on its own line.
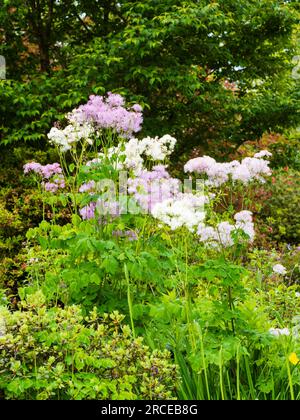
point(286, 151)
point(58, 354)
point(281, 210)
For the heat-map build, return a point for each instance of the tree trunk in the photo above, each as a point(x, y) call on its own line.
point(40, 16)
point(44, 56)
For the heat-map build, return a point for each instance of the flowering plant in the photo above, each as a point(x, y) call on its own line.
point(173, 253)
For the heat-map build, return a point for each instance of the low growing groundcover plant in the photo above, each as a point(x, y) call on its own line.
point(59, 354)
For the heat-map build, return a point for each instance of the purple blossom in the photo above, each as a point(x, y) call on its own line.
point(33, 167)
point(108, 207)
point(87, 186)
point(110, 113)
point(51, 169)
point(114, 99)
point(244, 216)
point(53, 187)
point(100, 208)
point(248, 170)
point(137, 108)
point(46, 171)
point(88, 212)
point(130, 234)
point(199, 165)
point(152, 187)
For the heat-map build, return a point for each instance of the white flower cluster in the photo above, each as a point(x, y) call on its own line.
point(262, 154)
point(279, 269)
point(222, 235)
point(130, 155)
point(158, 149)
point(277, 332)
point(185, 210)
point(70, 135)
point(249, 169)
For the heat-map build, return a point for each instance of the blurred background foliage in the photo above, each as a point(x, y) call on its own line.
point(213, 73)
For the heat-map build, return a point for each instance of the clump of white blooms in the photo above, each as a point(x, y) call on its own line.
point(185, 210)
point(245, 223)
point(263, 153)
point(277, 332)
point(217, 174)
point(72, 134)
point(131, 155)
point(222, 235)
point(279, 269)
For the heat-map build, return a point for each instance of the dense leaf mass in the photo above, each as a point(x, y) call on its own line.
point(212, 73)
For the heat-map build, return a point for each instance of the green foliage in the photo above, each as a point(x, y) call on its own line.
point(88, 265)
point(282, 302)
point(218, 363)
point(286, 152)
point(214, 74)
point(173, 57)
point(281, 210)
point(62, 355)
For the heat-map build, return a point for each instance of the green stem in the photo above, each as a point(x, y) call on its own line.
point(204, 366)
point(238, 373)
point(231, 307)
point(290, 379)
point(221, 374)
point(129, 300)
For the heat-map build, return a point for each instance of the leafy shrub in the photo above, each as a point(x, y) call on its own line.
point(76, 266)
point(57, 354)
point(286, 151)
point(281, 210)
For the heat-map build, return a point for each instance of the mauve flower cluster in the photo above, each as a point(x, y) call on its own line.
point(88, 212)
point(88, 187)
point(222, 235)
point(109, 113)
point(58, 183)
point(148, 187)
point(152, 187)
point(47, 172)
point(101, 207)
point(249, 169)
point(131, 235)
point(186, 210)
